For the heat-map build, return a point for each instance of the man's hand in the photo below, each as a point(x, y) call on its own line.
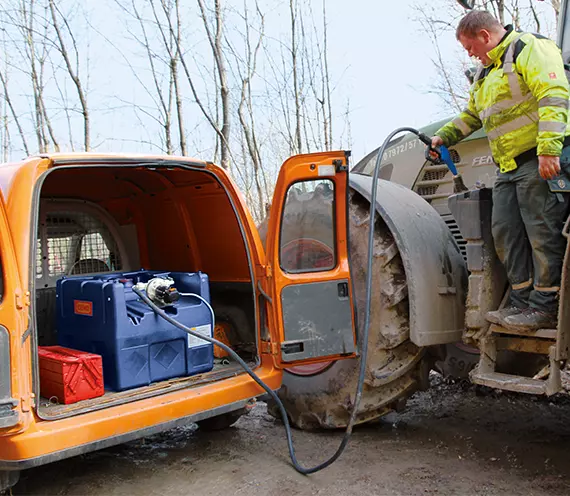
point(435, 142)
point(548, 166)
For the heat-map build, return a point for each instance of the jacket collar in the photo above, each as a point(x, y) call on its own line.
point(496, 53)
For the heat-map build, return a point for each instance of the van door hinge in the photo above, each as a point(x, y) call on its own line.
point(268, 347)
point(28, 402)
point(339, 166)
point(22, 300)
point(265, 347)
point(268, 271)
point(275, 348)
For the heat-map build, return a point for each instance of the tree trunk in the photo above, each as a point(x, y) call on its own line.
point(73, 74)
point(298, 141)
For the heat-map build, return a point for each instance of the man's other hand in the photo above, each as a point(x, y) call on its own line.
point(548, 166)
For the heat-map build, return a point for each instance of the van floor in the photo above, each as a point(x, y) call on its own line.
point(223, 369)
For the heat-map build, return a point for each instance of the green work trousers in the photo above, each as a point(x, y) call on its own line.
point(527, 230)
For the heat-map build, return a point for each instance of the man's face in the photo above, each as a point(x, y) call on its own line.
point(478, 45)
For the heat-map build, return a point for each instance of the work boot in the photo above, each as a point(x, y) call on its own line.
point(530, 320)
point(498, 316)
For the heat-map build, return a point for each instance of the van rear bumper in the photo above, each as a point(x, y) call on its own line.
point(48, 441)
point(119, 439)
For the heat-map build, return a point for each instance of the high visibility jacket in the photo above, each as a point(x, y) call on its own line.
point(520, 99)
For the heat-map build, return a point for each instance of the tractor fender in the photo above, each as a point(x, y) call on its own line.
point(435, 270)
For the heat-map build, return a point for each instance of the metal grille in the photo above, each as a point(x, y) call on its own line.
point(453, 227)
point(76, 243)
point(434, 175)
point(454, 154)
point(427, 190)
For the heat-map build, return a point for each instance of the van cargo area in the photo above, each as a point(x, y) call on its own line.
point(101, 229)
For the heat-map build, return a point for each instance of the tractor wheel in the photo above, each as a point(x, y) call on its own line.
point(459, 360)
point(320, 396)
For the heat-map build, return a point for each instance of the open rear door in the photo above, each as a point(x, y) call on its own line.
point(307, 261)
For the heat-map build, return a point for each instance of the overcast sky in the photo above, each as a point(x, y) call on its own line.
point(380, 62)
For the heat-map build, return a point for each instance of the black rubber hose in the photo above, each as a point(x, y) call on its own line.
point(363, 338)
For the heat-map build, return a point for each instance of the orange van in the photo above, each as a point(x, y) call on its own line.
point(65, 215)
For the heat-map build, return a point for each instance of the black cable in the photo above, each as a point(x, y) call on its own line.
point(363, 338)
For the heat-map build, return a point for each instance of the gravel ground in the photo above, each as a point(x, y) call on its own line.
point(452, 439)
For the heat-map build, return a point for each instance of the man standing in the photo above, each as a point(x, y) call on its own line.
point(520, 98)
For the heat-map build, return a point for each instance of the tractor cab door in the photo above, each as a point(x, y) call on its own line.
point(308, 269)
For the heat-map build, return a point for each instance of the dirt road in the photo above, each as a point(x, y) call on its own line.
point(451, 440)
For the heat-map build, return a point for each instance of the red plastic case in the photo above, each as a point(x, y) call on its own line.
point(70, 375)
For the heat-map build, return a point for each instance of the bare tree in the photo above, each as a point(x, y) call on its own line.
point(296, 94)
point(327, 115)
point(246, 111)
point(223, 132)
point(174, 68)
point(72, 69)
point(26, 24)
point(171, 39)
point(9, 104)
point(215, 40)
point(164, 97)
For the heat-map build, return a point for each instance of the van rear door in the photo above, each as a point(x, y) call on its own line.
point(307, 261)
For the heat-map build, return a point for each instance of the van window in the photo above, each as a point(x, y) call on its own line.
point(308, 237)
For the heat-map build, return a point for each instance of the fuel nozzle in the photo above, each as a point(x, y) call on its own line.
point(161, 291)
point(168, 295)
point(441, 154)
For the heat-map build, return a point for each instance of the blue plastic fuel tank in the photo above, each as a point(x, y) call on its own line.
point(101, 314)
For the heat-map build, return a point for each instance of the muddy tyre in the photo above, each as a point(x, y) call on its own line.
point(321, 396)
point(458, 361)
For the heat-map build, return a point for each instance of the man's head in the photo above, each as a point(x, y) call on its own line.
point(479, 32)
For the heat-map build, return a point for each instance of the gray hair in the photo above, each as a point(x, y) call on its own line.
point(476, 20)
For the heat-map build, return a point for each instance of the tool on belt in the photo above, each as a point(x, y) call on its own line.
point(559, 185)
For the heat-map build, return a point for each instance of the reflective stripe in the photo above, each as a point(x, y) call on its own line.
point(551, 289)
point(553, 101)
point(522, 285)
point(498, 107)
point(519, 122)
point(478, 73)
point(554, 127)
point(463, 127)
point(516, 92)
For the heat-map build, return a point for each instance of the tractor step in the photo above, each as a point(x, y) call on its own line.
point(514, 383)
point(540, 333)
point(486, 375)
